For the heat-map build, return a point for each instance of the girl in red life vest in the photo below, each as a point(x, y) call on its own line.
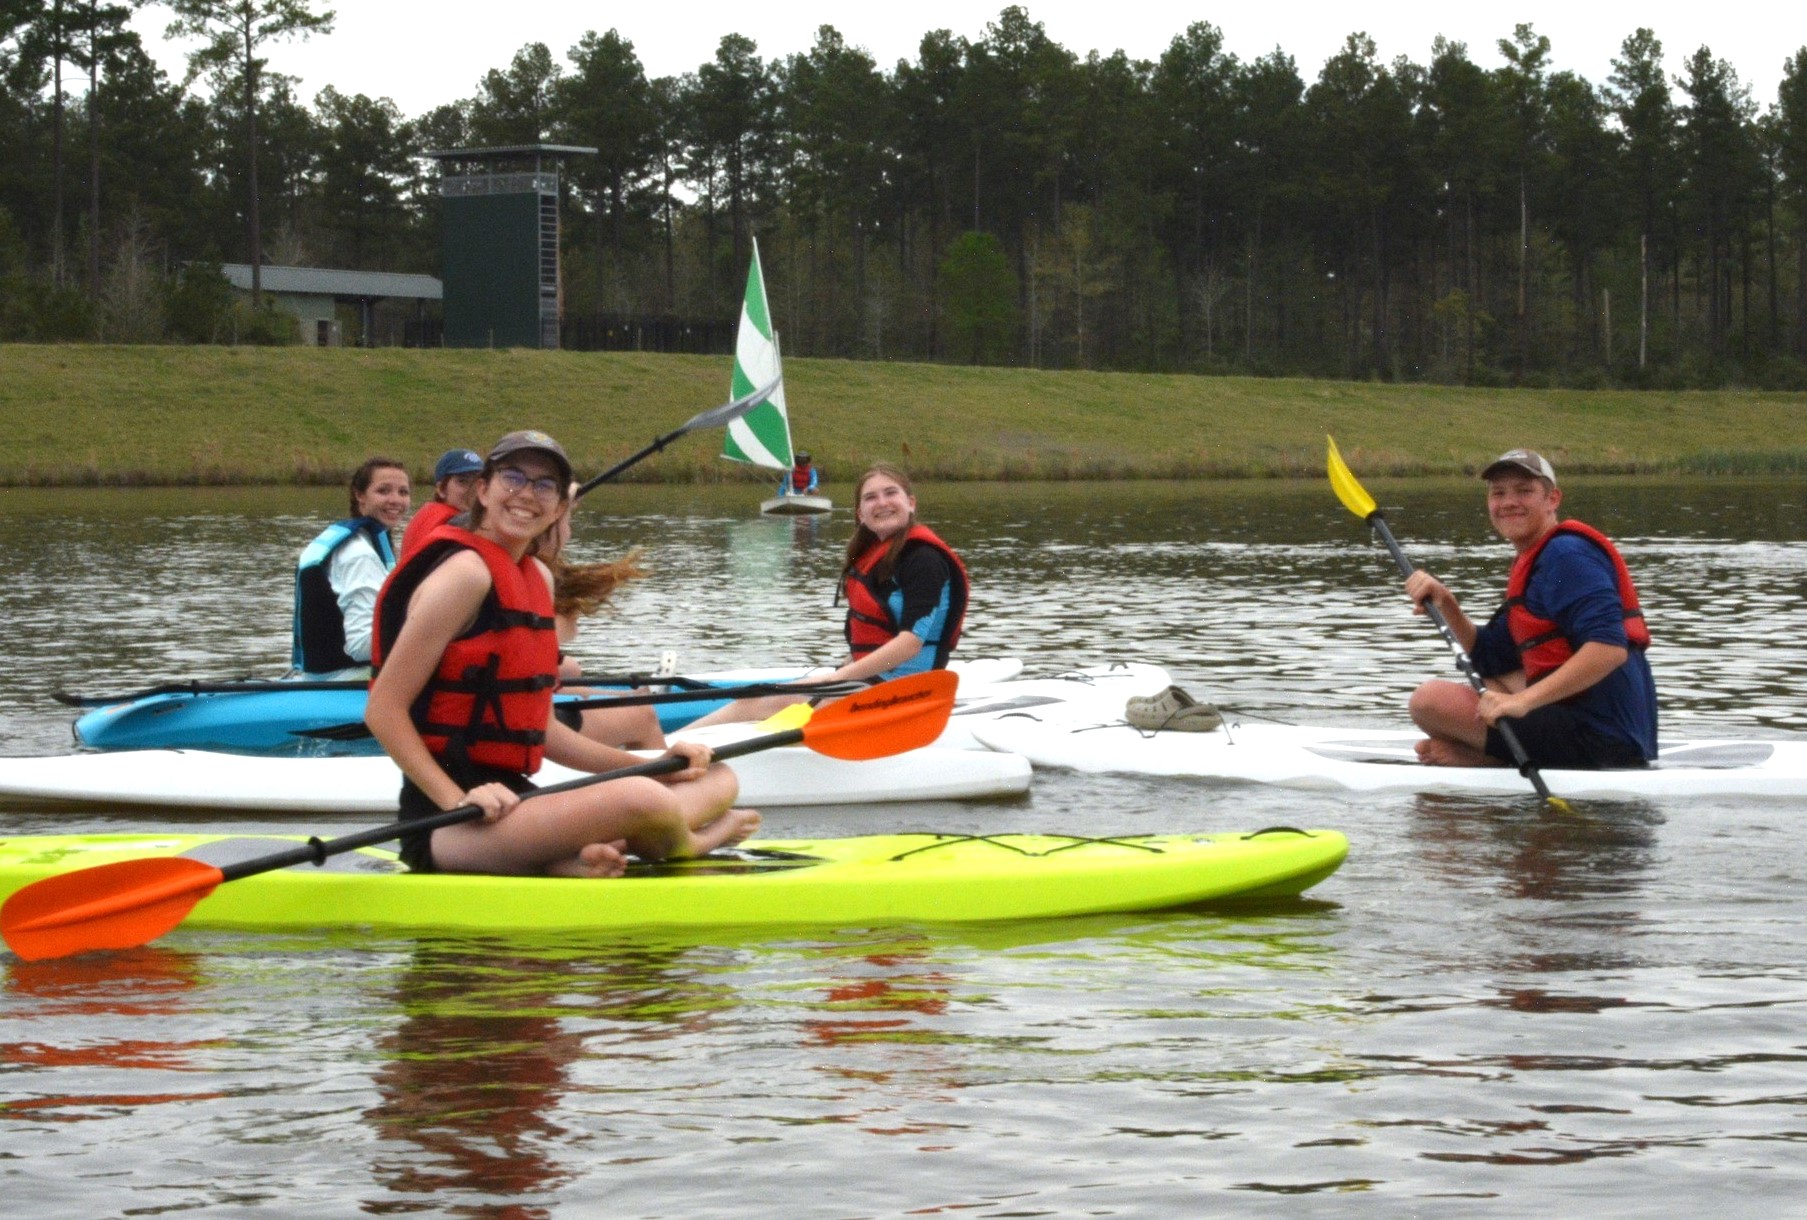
point(469, 733)
point(906, 593)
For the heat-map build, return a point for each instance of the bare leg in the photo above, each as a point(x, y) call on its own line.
point(626, 728)
point(1455, 733)
point(562, 831)
point(748, 709)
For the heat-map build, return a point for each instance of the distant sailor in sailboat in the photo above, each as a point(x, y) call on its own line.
point(802, 479)
point(762, 437)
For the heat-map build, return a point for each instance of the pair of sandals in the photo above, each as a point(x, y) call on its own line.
point(1173, 710)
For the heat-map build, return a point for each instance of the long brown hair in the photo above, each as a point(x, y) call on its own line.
point(863, 538)
point(583, 588)
point(363, 476)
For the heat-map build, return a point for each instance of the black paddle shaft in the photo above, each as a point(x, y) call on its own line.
point(1526, 767)
point(316, 850)
point(691, 691)
point(715, 417)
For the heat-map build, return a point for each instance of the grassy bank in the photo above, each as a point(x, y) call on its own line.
point(182, 415)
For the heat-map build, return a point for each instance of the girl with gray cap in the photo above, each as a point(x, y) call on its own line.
point(467, 660)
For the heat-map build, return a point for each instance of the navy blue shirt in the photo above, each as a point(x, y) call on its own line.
point(1575, 586)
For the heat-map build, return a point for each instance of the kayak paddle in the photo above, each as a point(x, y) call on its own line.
point(715, 417)
point(254, 686)
point(1356, 499)
point(357, 730)
point(199, 687)
point(132, 902)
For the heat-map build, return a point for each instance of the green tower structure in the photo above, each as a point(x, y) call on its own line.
point(500, 257)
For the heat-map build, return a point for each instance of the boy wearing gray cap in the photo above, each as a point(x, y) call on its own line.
point(1563, 657)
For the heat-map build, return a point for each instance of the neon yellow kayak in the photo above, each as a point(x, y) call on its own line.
point(860, 880)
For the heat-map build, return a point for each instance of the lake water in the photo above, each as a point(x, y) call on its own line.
point(1492, 1008)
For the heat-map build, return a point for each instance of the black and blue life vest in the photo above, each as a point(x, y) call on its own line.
point(319, 645)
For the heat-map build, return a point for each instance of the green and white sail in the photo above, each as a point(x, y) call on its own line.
point(763, 435)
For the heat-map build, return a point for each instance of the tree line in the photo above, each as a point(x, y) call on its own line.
point(999, 199)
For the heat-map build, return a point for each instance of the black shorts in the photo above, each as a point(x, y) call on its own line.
point(1558, 736)
point(417, 846)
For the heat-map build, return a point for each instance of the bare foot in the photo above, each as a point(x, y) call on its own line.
point(595, 860)
point(734, 826)
point(1436, 752)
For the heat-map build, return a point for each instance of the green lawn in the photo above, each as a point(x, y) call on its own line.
point(176, 415)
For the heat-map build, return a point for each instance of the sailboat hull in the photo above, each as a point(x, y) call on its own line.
point(796, 506)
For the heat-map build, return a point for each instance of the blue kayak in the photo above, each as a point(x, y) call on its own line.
point(326, 719)
point(305, 722)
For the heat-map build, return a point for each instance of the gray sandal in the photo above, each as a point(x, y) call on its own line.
point(1174, 710)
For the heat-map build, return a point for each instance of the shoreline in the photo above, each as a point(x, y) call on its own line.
point(114, 416)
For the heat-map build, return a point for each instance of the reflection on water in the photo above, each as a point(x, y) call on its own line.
point(475, 1074)
point(1492, 1002)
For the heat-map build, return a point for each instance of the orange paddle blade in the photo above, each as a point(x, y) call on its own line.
point(892, 717)
point(111, 906)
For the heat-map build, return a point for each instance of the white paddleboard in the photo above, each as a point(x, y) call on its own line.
point(975, 673)
point(1092, 694)
point(201, 779)
point(1382, 760)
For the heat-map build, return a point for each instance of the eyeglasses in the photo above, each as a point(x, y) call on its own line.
point(513, 480)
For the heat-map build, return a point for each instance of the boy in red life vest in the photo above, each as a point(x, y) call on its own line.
point(454, 485)
point(1564, 657)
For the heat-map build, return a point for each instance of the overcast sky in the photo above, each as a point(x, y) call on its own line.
point(421, 55)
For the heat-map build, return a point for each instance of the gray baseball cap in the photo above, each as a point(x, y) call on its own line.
point(1530, 461)
point(532, 438)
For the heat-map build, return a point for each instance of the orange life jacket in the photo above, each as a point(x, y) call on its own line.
point(427, 518)
point(489, 700)
point(870, 623)
point(1542, 647)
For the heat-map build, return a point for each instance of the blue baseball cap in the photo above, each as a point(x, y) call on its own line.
point(456, 461)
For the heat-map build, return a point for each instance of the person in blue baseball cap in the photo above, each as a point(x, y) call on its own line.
point(454, 483)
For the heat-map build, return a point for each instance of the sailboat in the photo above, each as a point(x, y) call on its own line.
point(762, 437)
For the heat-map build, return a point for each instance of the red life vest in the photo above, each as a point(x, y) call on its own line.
point(489, 700)
point(799, 479)
point(427, 518)
point(869, 620)
point(1541, 645)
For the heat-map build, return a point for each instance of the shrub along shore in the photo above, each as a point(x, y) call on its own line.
point(98, 415)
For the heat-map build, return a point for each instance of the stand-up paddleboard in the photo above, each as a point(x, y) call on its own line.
point(203, 779)
point(1383, 760)
point(272, 720)
point(875, 879)
point(1092, 694)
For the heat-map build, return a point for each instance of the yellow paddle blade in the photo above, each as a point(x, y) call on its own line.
point(1354, 496)
point(793, 717)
